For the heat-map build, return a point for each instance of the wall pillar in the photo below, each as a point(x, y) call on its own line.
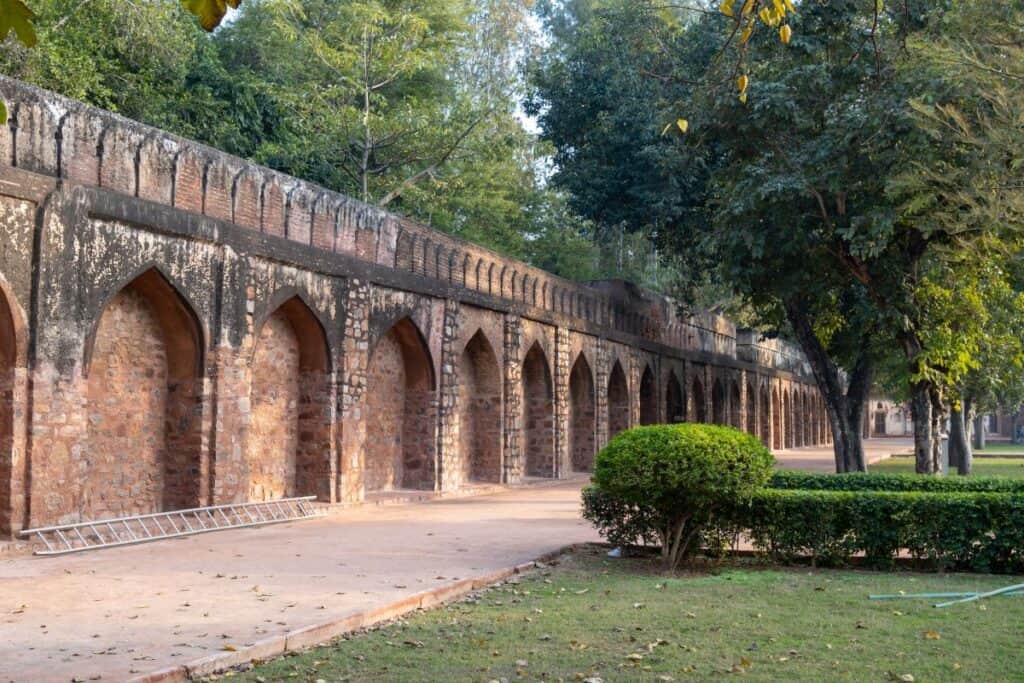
point(633, 377)
point(602, 370)
point(709, 394)
point(513, 339)
point(563, 466)
point(745, 412)
point(447, 471)
point(355, 348)
point(687, 382)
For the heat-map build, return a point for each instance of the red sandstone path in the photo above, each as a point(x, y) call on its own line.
point(126, 611)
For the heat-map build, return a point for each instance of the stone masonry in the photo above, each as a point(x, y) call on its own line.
point(180, 327)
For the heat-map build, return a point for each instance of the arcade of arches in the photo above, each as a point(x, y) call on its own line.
point(205, 331)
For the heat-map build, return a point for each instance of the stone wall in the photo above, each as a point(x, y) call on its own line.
point(180, 327)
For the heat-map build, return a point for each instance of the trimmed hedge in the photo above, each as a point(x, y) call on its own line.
point(857, 481)
point(981, 532)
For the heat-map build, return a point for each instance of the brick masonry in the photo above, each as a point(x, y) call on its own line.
point(180, 327)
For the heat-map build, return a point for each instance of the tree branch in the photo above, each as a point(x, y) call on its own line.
point(429, 170)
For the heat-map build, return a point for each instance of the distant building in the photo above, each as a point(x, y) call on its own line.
point(885, 417)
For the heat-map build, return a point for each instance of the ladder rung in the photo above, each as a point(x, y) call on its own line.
point(64, 539)
point(150, 527)
point(43, 537)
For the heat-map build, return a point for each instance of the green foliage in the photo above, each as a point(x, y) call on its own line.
point(682, 475)
point(857, 481)
point(982, 532)
point(624, 525)
point(872, 166)
point(437, 137)
point(133, 59)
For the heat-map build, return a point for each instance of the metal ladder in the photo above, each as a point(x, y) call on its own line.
point(109, 533)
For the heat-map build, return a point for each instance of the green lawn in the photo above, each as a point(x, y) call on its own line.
point(1002, 467)
point(1002, 447)
point(623, 620)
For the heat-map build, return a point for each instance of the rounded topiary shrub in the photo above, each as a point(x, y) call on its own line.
point(675, 478)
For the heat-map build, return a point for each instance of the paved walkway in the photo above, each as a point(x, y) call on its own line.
point(126, 611)
point(822, 459)
point(137, 609)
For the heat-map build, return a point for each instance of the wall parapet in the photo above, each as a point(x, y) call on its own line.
point(79, 144)
point(754, 347)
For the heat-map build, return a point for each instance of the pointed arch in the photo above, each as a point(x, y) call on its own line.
point(751, 409)
point(618, 401)
point(777, 440)
point(766, 413)
point(675, 405)
point(735, 405)
point(538, 414)
point(718, 412)
point(289, 396)
point(648, 398)
point(810, 418)
point(175, 313)
point(787, 419)
point(143, 437)
point(800, 411)
point(479, 410)
point(401, 405)
point(698, 410)
point(582, 415)
point(11, 349)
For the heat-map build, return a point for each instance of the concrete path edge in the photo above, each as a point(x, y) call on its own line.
point(322, 633)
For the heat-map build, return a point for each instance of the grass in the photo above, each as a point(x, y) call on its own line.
point(983, 467)
point(1002, 447)
point(624, 620)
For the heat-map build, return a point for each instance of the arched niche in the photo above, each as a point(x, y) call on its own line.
point(401, 412)
point(675, 405)
point(582, 416)
point(618, 401)
point(144, 385)
point(777, 441)
point(479, 409)
point(648, 398)
point(288, 449)
point(698, 410)
point(538, 415)
point(735, 405)
point(718, 407)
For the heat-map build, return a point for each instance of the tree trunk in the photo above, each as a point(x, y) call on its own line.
point(960, 455)
point(926, 408)
point(925, 437)
point(979, 432)
point(845, 409)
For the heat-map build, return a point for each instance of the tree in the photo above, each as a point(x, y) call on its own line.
point(801, 199)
